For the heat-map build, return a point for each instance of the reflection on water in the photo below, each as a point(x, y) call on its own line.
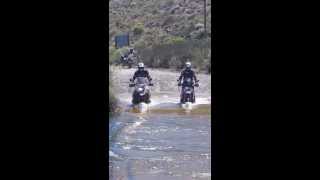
point(165, 143)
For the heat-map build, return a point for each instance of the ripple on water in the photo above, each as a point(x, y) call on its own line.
point(164, 146)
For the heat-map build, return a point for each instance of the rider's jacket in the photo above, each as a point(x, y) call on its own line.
point(141, 73)
point(187, 73)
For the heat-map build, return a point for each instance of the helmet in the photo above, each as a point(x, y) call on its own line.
point(140, 66)
point(188, 65)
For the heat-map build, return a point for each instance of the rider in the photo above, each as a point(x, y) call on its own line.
point(131, 55)
point(128, 56)
point(131, 51)
point(188, 73)
point(141, 72)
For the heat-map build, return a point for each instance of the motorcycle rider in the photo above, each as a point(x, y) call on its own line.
point(128, 57)
point(131, 53)
point(185, 74)
point(141, 72)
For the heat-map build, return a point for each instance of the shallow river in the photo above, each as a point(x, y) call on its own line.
point(165, 143)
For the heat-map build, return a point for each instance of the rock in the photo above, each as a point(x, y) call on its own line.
point(174, 9)
point(191, 16)
point(168, 20)
point(199, 26)
point(149, 25)
point(189, 11)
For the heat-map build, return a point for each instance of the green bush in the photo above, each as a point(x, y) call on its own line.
point(176, 53)
point(113, 102)
point(138, 29)
point(115, 54)
point(175, 40)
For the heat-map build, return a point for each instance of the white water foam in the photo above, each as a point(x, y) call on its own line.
point(131, 129)
point(112, 154)
point(163, 101)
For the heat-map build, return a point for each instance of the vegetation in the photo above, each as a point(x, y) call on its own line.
point(175, 53)
point(112, 99)
point(165, 33)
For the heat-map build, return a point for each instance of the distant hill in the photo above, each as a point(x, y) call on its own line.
point(156, 21)
point(166, 33)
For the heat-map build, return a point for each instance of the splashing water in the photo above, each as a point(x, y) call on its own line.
point(166, 142)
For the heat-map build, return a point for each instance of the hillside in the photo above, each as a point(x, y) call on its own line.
point(159, 20)
point(165, 33)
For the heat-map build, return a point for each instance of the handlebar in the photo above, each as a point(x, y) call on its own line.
point(196, 85)
point(133, 84)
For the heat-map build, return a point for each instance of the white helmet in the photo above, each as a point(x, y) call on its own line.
point(140, 65)
point(188, 64)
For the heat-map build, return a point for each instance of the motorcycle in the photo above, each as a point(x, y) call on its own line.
point(127, 59)
point(141, 93)
point(187, 96)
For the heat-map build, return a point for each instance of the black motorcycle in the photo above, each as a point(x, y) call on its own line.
point(187, 92)
point(125, 60)
point(141, 91)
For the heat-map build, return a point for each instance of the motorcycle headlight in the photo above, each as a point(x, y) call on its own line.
point(140, 89)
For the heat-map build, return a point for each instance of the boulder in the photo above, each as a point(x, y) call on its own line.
point(199, 26)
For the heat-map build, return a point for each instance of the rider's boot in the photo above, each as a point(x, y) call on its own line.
point(148, 97)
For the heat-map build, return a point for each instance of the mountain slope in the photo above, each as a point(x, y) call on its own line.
point(158, 20)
